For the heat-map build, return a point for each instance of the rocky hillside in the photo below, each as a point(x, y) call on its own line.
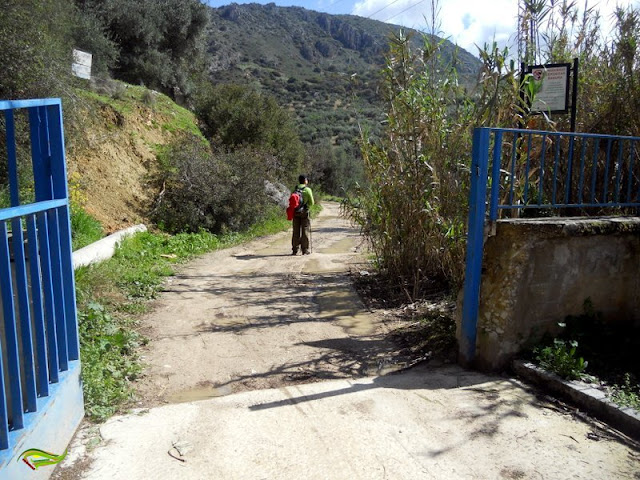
point(113, 139)
point(323, 67)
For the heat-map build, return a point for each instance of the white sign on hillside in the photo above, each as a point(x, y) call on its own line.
point(81, 66)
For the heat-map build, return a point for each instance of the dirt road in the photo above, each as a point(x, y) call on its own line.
point(256, 317)
point(258, 328)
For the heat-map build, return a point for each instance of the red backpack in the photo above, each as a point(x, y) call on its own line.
point(296, 203)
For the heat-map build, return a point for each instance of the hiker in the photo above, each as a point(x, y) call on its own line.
point(301, 217)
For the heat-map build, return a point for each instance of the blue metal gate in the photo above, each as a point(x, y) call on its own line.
point(40, 391)
point(521, 170)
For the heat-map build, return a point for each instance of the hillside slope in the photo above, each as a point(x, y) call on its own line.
point(324, 68)
point(112, 144)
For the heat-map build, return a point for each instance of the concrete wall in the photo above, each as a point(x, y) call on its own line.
point(538, 271)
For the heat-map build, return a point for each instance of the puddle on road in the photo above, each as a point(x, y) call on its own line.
point(224, 321)
point(325, 265)
point(199, 393)
point(344, 308)
point(282, 246)
point(346, 245)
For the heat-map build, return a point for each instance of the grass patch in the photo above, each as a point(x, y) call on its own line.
point(109, 361)
point(111, 294)
point(84, 228)
point(123, 98)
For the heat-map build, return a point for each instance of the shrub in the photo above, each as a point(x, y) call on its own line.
point(160, 44)
point(217, 192)
point(413, 210)
point(35, 48)
point(236, 116)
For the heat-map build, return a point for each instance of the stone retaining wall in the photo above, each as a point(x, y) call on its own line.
point(536, 272)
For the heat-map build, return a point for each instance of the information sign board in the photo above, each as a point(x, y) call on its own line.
point(553, 88)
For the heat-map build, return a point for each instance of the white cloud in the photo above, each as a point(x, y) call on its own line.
point(467, 22)
point(462, 21)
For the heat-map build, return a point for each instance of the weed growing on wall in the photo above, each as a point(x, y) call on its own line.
point(609, 349)
point(561, 359)
point(626, 393)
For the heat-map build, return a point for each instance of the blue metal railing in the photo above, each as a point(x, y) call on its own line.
point(38, 335)
point(518, 170)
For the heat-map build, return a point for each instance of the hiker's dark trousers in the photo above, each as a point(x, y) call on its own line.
point(301, 232)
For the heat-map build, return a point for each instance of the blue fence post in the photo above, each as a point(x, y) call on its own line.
point(495, 176)
point(475, 241)
point(60, 190)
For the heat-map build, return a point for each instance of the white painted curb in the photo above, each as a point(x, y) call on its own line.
point(103, 249)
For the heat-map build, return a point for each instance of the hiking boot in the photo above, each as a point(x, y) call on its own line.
point(308, 252)
point(295, 252)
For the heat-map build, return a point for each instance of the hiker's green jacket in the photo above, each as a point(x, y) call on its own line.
point(307, 195)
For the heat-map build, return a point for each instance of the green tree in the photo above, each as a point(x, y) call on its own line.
point(215, 191)
point(35, 48)
point(161, 43)
point(236, 115)
point(91, 34)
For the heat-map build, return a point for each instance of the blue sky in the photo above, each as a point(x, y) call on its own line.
point(464, 22)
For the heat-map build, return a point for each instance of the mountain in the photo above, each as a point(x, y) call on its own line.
point(323, 68)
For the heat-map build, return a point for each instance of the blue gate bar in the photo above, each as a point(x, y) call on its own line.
point(618, 171)
point(527, 169)
point(24, 315)
point(58, 292)
point(473, 269)
point(583, 153)
point(544, 151)
point(49, 299)
point(30, 209)
point(514, 149)
point(594, 171)
point(520, 131)
point(631, 162)
point(606, 172)
point(60, 190)
point(556, 162)
point(495, 184)
point(12, 158)
point(567, 190)
point(4, 417)
point(38, 311)
point(18, 104)
point(11, 336)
